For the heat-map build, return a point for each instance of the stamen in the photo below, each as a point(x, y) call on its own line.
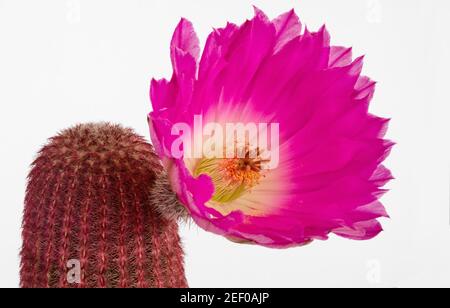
point(232, 177)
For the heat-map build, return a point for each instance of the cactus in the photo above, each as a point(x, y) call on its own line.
point(89, 200)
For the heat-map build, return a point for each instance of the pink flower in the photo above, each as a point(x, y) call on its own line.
point(329, 174)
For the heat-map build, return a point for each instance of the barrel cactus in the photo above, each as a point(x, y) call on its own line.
point(89, 207)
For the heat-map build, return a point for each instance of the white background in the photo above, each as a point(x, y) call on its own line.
point(68, 61)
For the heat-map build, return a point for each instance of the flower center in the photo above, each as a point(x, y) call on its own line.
point(232, 177)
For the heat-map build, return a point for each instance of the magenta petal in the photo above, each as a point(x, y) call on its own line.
point(184, 53)
point(287, 27)
point(361, 230)
point(185, 39)
point(162, 93)
point(251, 44)
point(340, 56)
point(217, 46)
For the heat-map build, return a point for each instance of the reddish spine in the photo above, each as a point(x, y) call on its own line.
point(85, 232)
point(156, 254)
point(51, 234)
point(104, 225)
point(140, 250)
point(122, 232)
